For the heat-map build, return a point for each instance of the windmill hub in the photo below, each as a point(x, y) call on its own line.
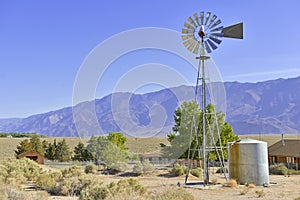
point(201, 32)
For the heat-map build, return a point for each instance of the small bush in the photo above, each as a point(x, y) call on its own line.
point(279, 169)
point(114, 190)
point(147, 166)
point(260, 193)
point(138, 168)
point(174, 194)
point(196, 172)
point(244, 191)
point(179, 170)
point(72, 171)
point(231, 183)
point(119, 167)
point(94, 192)
point(91, 169)
point(214, 181)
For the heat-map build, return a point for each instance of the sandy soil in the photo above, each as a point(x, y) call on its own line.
point(282, 187)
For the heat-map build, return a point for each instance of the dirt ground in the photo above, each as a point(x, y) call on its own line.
point(282, 187)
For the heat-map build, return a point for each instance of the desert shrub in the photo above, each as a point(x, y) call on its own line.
point(68, 182)
point(196, 172)
point(231, 183)
point(47, 182)
point(279, 169)
point(174, 194)
point(72, 171)
point(138, 168)
point(144, 167)
point(126, 186)
point(260, 193)
point(293, 172)
point(114, 190)
point(244, 191)
point(147, 166)
point(119, 167)
point(91, 169)
point(214, 181)
point(16, 171)
point(179, 170)
point(94, 192)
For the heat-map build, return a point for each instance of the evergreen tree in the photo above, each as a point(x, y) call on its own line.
point(62, 151)
point(81, 153)
point(23, 147)
point(36, 144)
point(51, 151)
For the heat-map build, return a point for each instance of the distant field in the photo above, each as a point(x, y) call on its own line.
point(270, 138)
point(135, 145)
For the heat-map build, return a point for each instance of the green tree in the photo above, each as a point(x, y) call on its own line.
point(50, 151)
point(188, 123)
point(117, 139)
point(62, 151)
point(24, 146)
point(81, 153)
point(36, 144)
point(105, 152)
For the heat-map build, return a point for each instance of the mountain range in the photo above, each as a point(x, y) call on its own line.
point(268, 107)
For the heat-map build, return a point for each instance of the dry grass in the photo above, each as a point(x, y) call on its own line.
point(251, 185)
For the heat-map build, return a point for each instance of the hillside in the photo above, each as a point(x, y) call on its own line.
point(252, 108)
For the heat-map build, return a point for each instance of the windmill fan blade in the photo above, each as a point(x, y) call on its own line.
point(193, 44)
point(212, 20)
point(216, 24)
point(187, 31)
point(192, 21)
point(207, 47)
point(213, 46)
point(196, 50)
point(187, 42)
point(234, 31)
point(217, 29)
point(197, 19)
point(207, 17)
point(202, 18)
point(187, 25)
point(185, 37)
point(216, 40)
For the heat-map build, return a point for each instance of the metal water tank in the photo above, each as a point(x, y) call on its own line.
point(248, 162)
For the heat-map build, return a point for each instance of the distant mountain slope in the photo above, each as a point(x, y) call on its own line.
point(252, 108)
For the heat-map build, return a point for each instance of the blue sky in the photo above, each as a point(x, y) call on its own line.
point(44, 43)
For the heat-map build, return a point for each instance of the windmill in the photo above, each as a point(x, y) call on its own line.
point(201, 35)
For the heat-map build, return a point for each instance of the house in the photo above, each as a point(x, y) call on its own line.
point(285, 151)
point(32, 155)
point(155, 158)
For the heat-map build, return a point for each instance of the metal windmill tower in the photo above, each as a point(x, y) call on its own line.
point(201, 35)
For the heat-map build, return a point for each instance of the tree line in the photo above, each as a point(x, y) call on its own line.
point(109, 151)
